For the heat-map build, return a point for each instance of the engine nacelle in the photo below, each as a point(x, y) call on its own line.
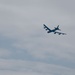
point(54, 32)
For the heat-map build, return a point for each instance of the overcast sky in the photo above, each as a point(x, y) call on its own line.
point(26, 48)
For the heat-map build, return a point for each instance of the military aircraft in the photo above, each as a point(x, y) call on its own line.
point(53, 30)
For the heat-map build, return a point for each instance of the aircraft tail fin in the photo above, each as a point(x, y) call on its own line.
point(57, 28)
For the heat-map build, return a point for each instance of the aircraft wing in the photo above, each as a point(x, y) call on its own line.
point(46, 28)
point(60, 33)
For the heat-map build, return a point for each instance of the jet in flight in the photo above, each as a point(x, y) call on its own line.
point(53, 30)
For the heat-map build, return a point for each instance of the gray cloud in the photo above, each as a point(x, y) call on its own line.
point(28, 67)
point(23, 21)
point(4, 53)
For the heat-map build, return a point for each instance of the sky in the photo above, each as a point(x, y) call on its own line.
point(26, 48)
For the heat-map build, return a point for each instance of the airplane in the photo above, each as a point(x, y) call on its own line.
point(53, 30)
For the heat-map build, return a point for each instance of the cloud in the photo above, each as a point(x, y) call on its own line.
point(27, 67)
point(30, 34)
point(22, 21)
point(4, 53)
